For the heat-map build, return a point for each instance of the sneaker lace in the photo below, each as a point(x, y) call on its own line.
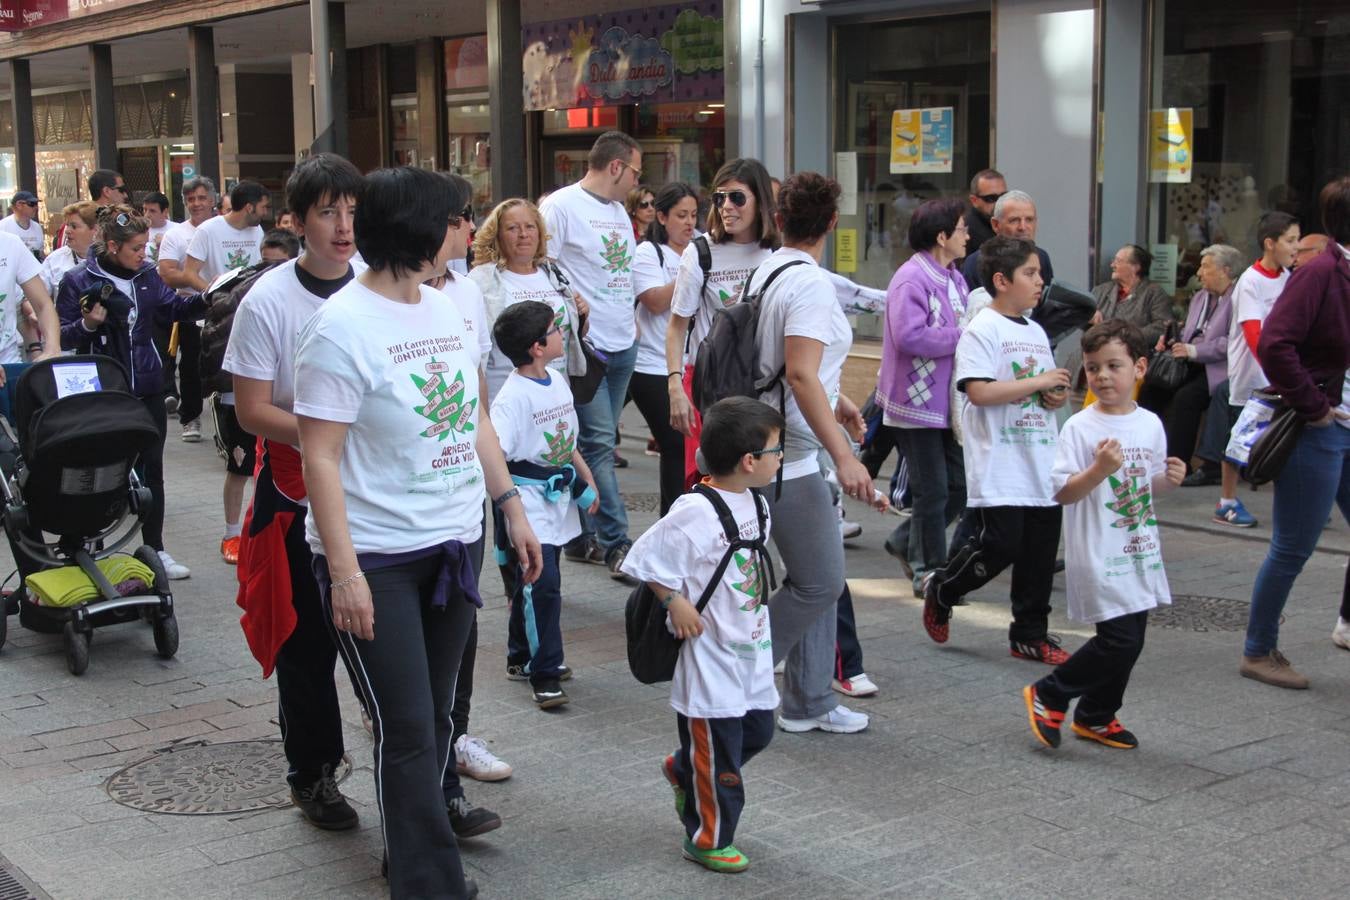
point(1279, 660)
point(459, 806)
point(477, 752)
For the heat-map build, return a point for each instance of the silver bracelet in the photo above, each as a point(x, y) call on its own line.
point(350, 579)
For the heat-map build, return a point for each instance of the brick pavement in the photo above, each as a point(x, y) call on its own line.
point(1237, 789)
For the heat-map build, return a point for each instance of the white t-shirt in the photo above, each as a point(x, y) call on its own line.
point(222, 247)
point(1253, 298)
point(538, 423)
point(405, 376)
point(174, 246)
point(732, 263)
point(56, 265)
point(592, 240)
point(17, 266)
point(517, 288)
point(1009, 449)
point(32, 236)
point(1113, 562)
point(800, 303)
point(156, 239)
point(468, 300)
point(649, 272)
point(727, 670)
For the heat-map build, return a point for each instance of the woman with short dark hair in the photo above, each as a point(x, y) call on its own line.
point(925, 301)
point(396, 455)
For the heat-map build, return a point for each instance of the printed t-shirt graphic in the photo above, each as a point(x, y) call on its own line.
point(222, 247)
point(732, 264)
point(518, 288)
point(538, 423)
point(592, 239)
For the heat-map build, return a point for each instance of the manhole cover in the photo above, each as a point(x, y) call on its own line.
point(1190, 612)
point(642, 502)
point(201, 779)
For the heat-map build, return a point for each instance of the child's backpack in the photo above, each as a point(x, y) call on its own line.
point(652, 649)
point(225, 295)
point(728, 358)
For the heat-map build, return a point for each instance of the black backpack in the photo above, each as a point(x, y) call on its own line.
point(728, 358)
point(652, 649)
point(225, 298)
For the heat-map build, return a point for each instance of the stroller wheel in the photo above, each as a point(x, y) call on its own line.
point(146, 554)
point(166, 636)
point(77, 649)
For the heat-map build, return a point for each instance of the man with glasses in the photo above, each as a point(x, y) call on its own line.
point(20, 222)
point(591, 238)
point(1014, 216)
point(985, 189)
point(107, 187)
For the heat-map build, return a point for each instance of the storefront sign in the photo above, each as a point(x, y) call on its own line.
point(846, 173)
point(921, 140)
point(20, 15)
point(1171, 142)
point(846, 250)
point(664, 53)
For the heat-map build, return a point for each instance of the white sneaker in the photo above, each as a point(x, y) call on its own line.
point(1340, 635)
point(192, 433)
point(849, 530)
point(175, 570)
point(473, 758)
point(840, 720)
point(857, 686)
point(781, 667)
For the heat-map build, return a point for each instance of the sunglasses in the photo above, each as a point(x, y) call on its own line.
point(32, 203)
point(738, 198)
point(465, 215)
point(766, 451)
point(642, 204)
point(634, 169)
point(120, 187)
point(990, 198)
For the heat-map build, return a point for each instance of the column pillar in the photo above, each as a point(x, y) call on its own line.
point(430, 58)
point(302, 103)
point(506, 86)
point(25, 146)
point(205, 87)
point(104, 112)
point(337, 53)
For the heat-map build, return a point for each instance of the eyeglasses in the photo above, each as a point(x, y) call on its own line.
point(556, 329)
point(990, 198)
point(632, 168)
point(767, 450)
point(646, 204)
point(32, 203)
point(737, 198)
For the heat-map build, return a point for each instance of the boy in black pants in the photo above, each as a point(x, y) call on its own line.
point(1006, 370)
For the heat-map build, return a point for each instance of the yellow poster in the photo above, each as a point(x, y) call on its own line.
point(846, 250)
point(1171, 145)
point(906, 140)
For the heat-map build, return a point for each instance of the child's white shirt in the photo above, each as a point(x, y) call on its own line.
point(1113, 562)
point(538, 423)
point(727, 670)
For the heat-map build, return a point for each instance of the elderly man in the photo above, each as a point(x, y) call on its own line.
point(1309, 246)
point(986, 188)
point(1014, 216)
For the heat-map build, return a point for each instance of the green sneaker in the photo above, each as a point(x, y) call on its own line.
point(668, 770)
point(728, 859)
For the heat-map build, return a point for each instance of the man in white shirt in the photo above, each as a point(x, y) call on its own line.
point(107, 188)
point(199, 198)
point(156, 209)
point(591, 238)
point(21, 222)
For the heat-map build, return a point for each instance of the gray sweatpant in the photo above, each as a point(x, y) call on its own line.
point(802, 611)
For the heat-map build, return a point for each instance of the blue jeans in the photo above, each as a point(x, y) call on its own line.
point(1318, 473)
point(599, 421)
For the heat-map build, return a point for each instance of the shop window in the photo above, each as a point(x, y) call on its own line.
point(911, 122)
point(1250, 112)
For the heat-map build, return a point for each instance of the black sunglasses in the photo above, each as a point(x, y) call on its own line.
point(738, 198)
point(465, 214)
point(990, 198)
point(646, 204)
point(120, 187)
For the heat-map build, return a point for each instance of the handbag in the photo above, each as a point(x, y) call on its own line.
point(1166, 372)
point(587, 383)
point(1265, 435)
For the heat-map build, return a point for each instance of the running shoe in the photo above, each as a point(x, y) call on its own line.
point(229, 550)
point(548, 694)
point(840, 720)
point(192, 431)
point(1045, 722)
point(936, 617)
point(584, 549)
point(518, 673)
point(1340, 635)
point(467, 820)
point(473, 758)
point(857, 686)
point(1046, 650)
point(1112, 734)
point(174, 569)
point(727, 860)
point(1235, 515)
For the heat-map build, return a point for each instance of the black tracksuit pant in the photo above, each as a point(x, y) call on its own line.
point(1098, 672)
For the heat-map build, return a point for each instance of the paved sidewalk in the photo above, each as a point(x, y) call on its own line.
point(1238, 790)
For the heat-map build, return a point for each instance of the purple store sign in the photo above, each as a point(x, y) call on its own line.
point(658, 55)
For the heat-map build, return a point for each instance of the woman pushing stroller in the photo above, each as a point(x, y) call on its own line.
point(109, 305)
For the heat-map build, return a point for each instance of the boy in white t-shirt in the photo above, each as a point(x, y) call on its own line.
point(1006, 369)
point(1112, 459)
point(536, 423)
point(723, 691)
point(1254, 296)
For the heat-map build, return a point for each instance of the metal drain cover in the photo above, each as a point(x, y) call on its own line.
point(1191, 612)
point(200, 779)
point(642, 502)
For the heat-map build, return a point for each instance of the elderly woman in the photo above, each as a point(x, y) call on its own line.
point(1305, 352)
point(396, 457)
point(1129, 295)
point(924, 303)
point(1203, 343)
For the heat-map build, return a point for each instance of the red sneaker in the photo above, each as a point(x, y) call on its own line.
point(229, 550)
point(1046, 650)
point(935, 616)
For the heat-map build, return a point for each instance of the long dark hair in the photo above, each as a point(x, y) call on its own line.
point(669, 195)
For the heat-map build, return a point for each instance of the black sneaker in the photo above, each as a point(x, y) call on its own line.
point(518, 673)
point(467, 820)
point(584, 549)
point(548, 694)
point(323, 804)
point(614, 560)
point(1205, 476)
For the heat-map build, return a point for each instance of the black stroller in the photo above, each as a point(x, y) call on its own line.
point(69, 491)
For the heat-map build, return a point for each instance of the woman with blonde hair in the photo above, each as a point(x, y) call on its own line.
point(79, 219)
point(510, 266)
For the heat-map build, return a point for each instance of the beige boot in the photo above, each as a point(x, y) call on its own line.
point(1275, 669)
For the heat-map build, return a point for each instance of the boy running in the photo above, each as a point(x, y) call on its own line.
point(1112, 458)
